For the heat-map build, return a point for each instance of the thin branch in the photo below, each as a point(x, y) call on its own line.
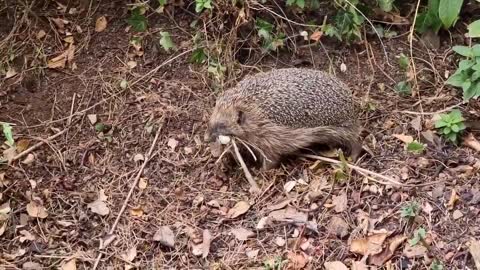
point(248, 175)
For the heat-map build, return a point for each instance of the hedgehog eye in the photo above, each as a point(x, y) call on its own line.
point(240, 118)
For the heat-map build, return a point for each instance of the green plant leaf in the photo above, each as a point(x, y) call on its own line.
point(301, 3)
point(474, 29)
point(457, 80)
point(415, 147)
point(447, 130)
point(8, 133)
point(463, 50)
point(162, 2)
point(476, 66)
point(166, 41)
point(476, 50)
point(198, 56)
point(403, 88)
point(440, 123)
point(137, 20)
point(403, 61)
point(448, 12)
point(386, 5)
point(472, 92)
point(428, 19)
point(290, 2)
point(418, 236)
point(465, 64)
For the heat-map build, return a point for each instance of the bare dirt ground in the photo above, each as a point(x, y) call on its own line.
point(61, 202)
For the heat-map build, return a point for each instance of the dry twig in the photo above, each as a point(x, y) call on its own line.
point(248, 175)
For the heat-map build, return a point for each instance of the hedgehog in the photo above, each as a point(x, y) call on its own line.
point(284, 111)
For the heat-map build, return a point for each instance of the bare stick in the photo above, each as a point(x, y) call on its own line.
point(135, 183)
point(27, 151)
point(368, 172)
point(410, 40)
point(432, 113)
point(245, 169)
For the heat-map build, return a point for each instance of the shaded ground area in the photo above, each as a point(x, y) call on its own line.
point(64, 198)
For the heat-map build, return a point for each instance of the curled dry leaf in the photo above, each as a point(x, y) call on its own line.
point(289, 186)
point(131, 64)
point(26, 236)
point(142, 183)
point(92, 118)
point(172, 143)
point(370, 245)
point(453, 199)
point(239, 209)
point(36, 210)
point(381, 258)
point(136, 211)
point(472, 142)
point(130, 255)
point(474, 248)
point(315, 36)
point(60, 60)
point(279, 241)
point(242, 234)
point(165, 236)
point(138, 157)
point(100, 24)
point(335, 266)
point(29, 159)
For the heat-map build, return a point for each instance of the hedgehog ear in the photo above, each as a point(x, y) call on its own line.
point(240, 117)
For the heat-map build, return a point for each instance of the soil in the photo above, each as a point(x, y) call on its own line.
point(182, 186)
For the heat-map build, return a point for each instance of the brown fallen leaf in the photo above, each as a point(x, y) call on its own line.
point(36, 210)
point(99, 207)
point(336, 265)
point(340, 202)
point(207, 240)
point(414, 251)
point(136, 211)
point(172, 143)
point(22, 145)
point(239, 209)
point(404, 138)
point(26, 236)
point(296, 261)
point(474, 248)
point(242, 234)
point(29, 159)
point(359, 266)
point(453, 199)
point(61, 60)
point(315, 36)
point(165, 236)
point(472, 142)
point(10, 73)
point(70, 265)
point(279, 205)
point(31, 266)
point(100, 24)
point(337, 226)
point(130, 255)
point(381, 258)
point(289, 214)
point(3, 227)
point(252, 253)
point(142, 183)
point(41, 34)
point(370, 245)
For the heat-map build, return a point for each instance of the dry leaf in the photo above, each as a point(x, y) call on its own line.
point(279, 241)
point(5, 208)
point(472, 142)
point(296, 260)
point(335, 266)
point(417, 123)
point(252, 253)
point(453, 199)
point(239, 209)
point(69, 39)
point(70, 265)
point(457, 214)
point(10, 153)
point(289, 185)
point(370, 245)
point(31, 266)
point(381, 258)
point(315, 36)
point(359, 266)
point(136, 211)
point(262, 223)
point(41, 34)
point(22, 145)
point(10, 73)
point(279, 205)
point(415, 251)
point(214, 204)
point(340, 202)
point(60, 60)
point(99, 207)
point(474, 248)
point(404, 138)
point(130, 255)
point(337, 226)
point(101, 195)
point(107, 240)
point(100, 24)
point(92, 118)
point(142, 183)
point(172, 143)
point(138, 157)
point(131, 64)
point(26, 236)
point(242, 234)
point(207, 240)
point(165, 236)
point(36, 210)
point(29, 159)
point(3, 228)
point(288, 215)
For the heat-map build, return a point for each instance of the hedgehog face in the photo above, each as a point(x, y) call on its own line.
point(226, 121)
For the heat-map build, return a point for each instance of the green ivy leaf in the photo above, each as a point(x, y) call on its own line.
point(166, 41)
point(448, 11)
point(474, 29)
point(137, 20)
point(463, 50)
point(7, 132)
